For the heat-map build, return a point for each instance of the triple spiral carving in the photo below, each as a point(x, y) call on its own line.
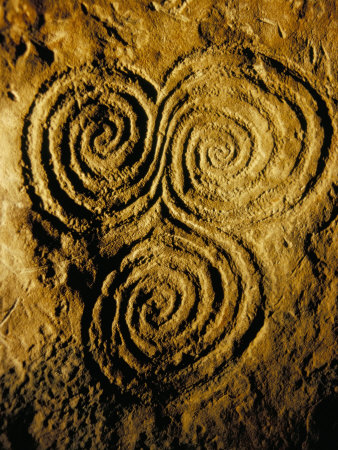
point(228, 141)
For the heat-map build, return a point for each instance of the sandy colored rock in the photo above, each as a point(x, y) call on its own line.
point(168, 224)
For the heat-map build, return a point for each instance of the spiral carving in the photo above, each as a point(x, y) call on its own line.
point(88, 145)
point(235, 138)
point(175, 305)
point(245, 138)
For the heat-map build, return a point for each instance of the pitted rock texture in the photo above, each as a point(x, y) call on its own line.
point(168, 224)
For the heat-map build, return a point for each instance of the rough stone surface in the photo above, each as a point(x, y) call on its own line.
point(168, 223)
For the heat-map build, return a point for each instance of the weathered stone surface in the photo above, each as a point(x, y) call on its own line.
point(168, 224)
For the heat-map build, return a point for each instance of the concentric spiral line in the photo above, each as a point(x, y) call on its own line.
point(245, 139)
point(88, 146)
point(175, 306)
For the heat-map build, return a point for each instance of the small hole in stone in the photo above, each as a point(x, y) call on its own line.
point(11, 96)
